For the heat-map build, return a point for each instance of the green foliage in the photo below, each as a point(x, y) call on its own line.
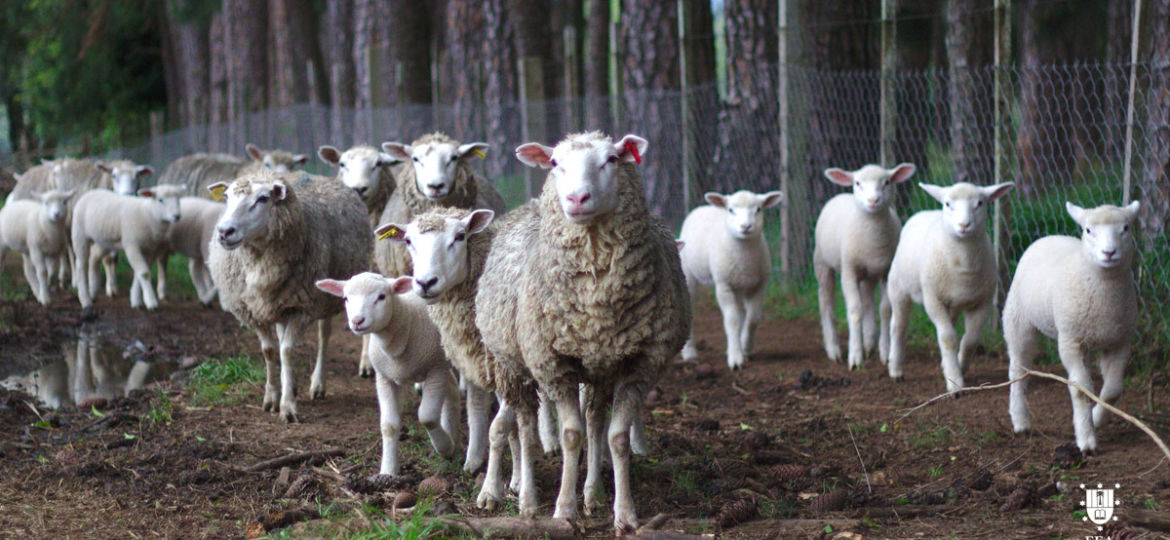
point(160, 409)
point(212, 381)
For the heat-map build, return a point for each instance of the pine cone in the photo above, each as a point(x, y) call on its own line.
point(375, 483)
point(303, 487)
point(770, 457)
point(980, 480)
point(1117, 531)
point(1067, 456)
point(737, 512)
point(830, 502)
point(1023, 497)
point(434, 486)
point(789, 473)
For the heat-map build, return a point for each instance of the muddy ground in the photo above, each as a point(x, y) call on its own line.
point(791, 447)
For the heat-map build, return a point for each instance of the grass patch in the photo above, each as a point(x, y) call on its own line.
point(215, 382)
point(179, 286)
point(160, 409)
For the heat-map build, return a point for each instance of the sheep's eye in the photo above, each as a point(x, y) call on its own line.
point(758, 210)
point(857, 184)
point(406, 240)
point(262, 199)
point(978, 204)
point(342, 164)
point(947, 204)
point(345, 299)
point(1088, 230)
point(553, 162)
point(612, 159)
point(414, 159)
point(459, 237)
point(267, 165)
point(1125, 228)
point(382, 296)
point(453, 158)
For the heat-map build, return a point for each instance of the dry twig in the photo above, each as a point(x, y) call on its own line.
point(855, 449)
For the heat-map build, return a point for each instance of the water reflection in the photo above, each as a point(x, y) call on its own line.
point(90, 367)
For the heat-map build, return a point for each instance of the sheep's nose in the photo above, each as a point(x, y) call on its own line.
point(225, 232)
point(427, 284)
point(356, 321)
point(361, 191)
point(872, 200)
point(578, 199)
point(435, 187)
point(1109, 253)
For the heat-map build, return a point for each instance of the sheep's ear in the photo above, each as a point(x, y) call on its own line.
point(631, 148)
point(332, 286)
point(772, 198)
point(144, 170)
point(478, 220)
point(1075, 211)
point(402, 285)
point(18, 177)
point(390, 231)
point(939, 193)
point(146, 192)
point(279, 192)
point(902, 172)
point(679, 244)
point(1131, 210)
point(839, 176)
point(217, 191)
point(398, 150)
point(300, 159)
point(329, 155)
point(475, 149)
point(385, 159)
point(66, 195)
point(535, 155)
point(254, 152)
point(999, 190)
point(715, 199)
point(101, 167)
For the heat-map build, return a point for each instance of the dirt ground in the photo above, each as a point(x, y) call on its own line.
point(791, 447)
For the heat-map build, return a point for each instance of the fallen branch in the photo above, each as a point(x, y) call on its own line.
point(653, 523)
point(742, 392)
point(956, 393)
point(1147, 519)
point(515, 527)
point(293, 458)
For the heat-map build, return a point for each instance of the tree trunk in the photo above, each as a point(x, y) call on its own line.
point(703, 96)
point(465, 37)
point(294, 45)
point(500, 86)
point(218, 84)
point(968, 90)
point(1119, 24)
point(337, 47)
point(597, 67)
point(246, 48)
point(410, 48)
point(651, 71)
point(363, 40)
point(531, 21)
point(170, 64)
point(1153, 187)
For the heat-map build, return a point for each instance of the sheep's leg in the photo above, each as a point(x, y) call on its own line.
point(547, 424)
point(288, 333)
point(884, 324)
point(492, 492)
point(160, 285)
point(974, 321)
point(478, 408)
point(110, 262)
point(194, 269)
point(597, 402)
point(948, 340)
point(869, 328)
point(449, 420)
point(753, 305)
point(529, 448)
point(94, 273)
point(365, 368)
point(30, 276)
point(430, 414)
point(317, 383)
point(41, 269)
point(135, 293)
point(572, 439)
point(268, 348)
point(1072, 355)
point(514, 451)
point(638, 444)
point(80, 272)
point(900, 304)
point(624, 407)
point(141, 276)
point(731, 306)
point(851, 288)
point(1022, 345)
point(690, 352)
point(827, 299)
point(390, 421)
point(137, 377)
point(1112, 373)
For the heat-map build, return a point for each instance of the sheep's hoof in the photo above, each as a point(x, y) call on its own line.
point(624, 523)
point(528, 510)
point(1089, 452)
point(366, 372)
point(487, 501)
point(269, 405)
point(289, 417)
point(471, 466)
point(317, 393)
point(898, 378)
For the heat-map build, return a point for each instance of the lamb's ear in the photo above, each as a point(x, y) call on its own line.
point(999, 190)
point(332, 286)
point(398, 150)
point(902, 172)
point(329, 155)
point(390, 231)
point(939, 193)
point(840, 177)
point(18, 177)
point(715, 199)
point(1131, 210)
point(385, 159)
point(535, 155)
point(66, 195)
point(143, 170)
point(254, 152)
point(217, 191)
point(101, 167)
point(300, 159)
point(475, 149)
point(631, 148)
point(402, 285)
point(1075, 211)
point(146, 192)
point(679, 244)
point(478, 220)
point(772, 198)
point(279, 191)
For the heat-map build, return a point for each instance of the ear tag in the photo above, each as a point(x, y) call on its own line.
point(392, 231)
point(633, 149)
point(217, 193)
point(479, 153)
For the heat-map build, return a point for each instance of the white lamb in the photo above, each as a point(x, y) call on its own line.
point(137, 225)
point(191, 236)
point(1081, 293)
point(36, 229)
point(404, 349)
point(856, 235)
point(945, 261)
point(724, 248)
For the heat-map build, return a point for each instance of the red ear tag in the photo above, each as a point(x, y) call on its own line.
point(633, 148)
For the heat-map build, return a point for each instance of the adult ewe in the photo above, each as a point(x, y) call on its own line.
point(856, 235)
point(199, 171)
point(587, 287)
point(1081, 293)
point(278, 235)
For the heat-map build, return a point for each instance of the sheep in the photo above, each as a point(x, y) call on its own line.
point(1082, 294)
point(37, 230)
point(945, 261)
point(405, 349)
point(137, 225)
point(278, 235)
point(439, 174)
point(586, 286)
point(199, 171)
point(725, 248)
point(448, 279)
point(191, 236)
point(856, 235)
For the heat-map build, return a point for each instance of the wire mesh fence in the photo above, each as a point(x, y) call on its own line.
point(1066, 142)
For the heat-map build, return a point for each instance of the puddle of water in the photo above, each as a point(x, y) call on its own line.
point(89, 367)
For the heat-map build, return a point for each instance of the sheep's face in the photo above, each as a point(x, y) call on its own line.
point(435, 163)
point(56, 204)
point(438, 249)
point(872, 185)
point(248, 204)
point(358, 168)
point(745, 211)
point(965, 205)
point(584, 168)
point(1105, 237)
point(125, 176)
point(168, 196)
point(369, 305)
point(276, 160)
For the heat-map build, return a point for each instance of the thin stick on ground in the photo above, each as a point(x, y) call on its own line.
point(293, 458)
point(855, 449)
point(956, 393)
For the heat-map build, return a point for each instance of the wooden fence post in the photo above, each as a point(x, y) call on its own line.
point(889, 103)
point(1134, 47)
point(782, 85)
point(1003, 54)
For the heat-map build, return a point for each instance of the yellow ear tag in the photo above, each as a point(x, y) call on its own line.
point(217, 193)
point(479, 153)
point(392, 231)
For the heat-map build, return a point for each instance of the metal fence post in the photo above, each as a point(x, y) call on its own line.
point(782, 84)
point(1133, 60)
point(1003, 52)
